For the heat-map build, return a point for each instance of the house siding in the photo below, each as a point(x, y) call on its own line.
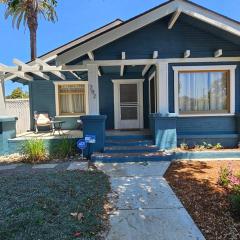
point(188, 33)
point(201, 38)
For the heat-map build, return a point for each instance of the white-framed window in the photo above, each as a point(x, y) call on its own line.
point(204, 90)
point(71, 98)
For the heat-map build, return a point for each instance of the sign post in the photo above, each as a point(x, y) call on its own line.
point(81, 144)
point(90, 139)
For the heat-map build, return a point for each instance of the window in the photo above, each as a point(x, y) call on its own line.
point(71, 98)
point(204, 91)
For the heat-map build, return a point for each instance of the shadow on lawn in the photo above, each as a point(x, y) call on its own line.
point(195, 183)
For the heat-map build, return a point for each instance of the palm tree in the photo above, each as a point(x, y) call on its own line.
point(27, 11)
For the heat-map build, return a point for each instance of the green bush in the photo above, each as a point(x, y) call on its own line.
point(65, 148)
point(34, 150)
point(184, 146)
point(218, 146)
point(235, 203)
point(224, 175)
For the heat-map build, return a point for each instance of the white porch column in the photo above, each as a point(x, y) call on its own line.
point(93, 90)
point(162, 87)
point(2, 98)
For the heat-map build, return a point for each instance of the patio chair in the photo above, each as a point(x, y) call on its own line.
point(42, 120)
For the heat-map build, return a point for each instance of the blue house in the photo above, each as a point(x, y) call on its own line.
point(173, 69)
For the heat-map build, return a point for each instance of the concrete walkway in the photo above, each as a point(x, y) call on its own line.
point(147, 208)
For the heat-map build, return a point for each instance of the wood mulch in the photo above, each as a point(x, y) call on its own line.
point(195, 183)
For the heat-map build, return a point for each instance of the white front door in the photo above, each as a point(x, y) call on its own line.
point(128, 104)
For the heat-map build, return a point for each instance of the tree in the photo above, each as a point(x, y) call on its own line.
point(28, 11)
point(17, 93)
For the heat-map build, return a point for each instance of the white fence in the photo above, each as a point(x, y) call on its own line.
point(19, 108)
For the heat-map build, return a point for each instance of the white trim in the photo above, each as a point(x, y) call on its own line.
point(174, 18)
point(106, 63)
point(57, 83)
point(22, 64)
point(147, 18)
point(116, 85)
point(162, 87)
point(122, 66)
point(93, 90)
point(127, 81)
point(152, 78)
point(230, 68)
point(91, 57)
point(187, 54)
point(44, 64)
point(147, 67)
point(204, 68)
point(218, 53)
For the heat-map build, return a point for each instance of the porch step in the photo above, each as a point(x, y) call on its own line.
point(129, 137)
point(129, 142)
point(131, 157)
point(130, 149)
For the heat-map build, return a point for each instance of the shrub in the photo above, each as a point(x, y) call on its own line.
point(235, 203)
point(207, 145)
point(184, 146)
point(224, 175)
point(199, 147)
point(34, 150)
point(218, 146)
point(66, 148)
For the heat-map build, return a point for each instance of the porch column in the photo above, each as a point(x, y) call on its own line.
point(2, 98)
point(93, 90)
point(162, 87)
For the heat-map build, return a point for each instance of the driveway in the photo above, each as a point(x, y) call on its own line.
point(146, 206)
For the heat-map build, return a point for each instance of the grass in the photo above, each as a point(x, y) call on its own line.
point(34, 150)
point(39, 206)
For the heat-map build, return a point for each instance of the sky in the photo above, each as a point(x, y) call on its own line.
point(77, 17)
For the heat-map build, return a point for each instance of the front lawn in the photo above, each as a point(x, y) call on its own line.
point(60, 205)
point(196, 184)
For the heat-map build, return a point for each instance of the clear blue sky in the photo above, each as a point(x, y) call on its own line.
point(77, 17)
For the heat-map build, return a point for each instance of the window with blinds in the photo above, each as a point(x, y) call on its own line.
point(72, 99)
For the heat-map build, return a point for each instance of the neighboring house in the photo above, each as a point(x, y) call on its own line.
point(177, 58)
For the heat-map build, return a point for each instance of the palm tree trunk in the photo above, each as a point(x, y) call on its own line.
point(32, 22)
point(33, 43)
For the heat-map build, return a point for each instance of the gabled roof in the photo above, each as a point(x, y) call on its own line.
point(49, 55)
point(144, 19)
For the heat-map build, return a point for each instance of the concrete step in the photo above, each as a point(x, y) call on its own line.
point(130, 149)
point(131, 157)
point(129, 142)
point(130, 137)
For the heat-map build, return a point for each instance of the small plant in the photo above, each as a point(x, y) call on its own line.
point(184, 146)
point(207, 145)
point(65, 148)
point(34, 150)
point(235, 203)
point(224, 176)
point(218, 146)
point(198, 147)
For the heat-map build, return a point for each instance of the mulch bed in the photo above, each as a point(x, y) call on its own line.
point(195, 183)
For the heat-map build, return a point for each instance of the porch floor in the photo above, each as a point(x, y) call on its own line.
point(77, 134)
point(49, 135)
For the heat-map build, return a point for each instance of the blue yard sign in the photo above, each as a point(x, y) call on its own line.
point(90, 138)
point(81, 144)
